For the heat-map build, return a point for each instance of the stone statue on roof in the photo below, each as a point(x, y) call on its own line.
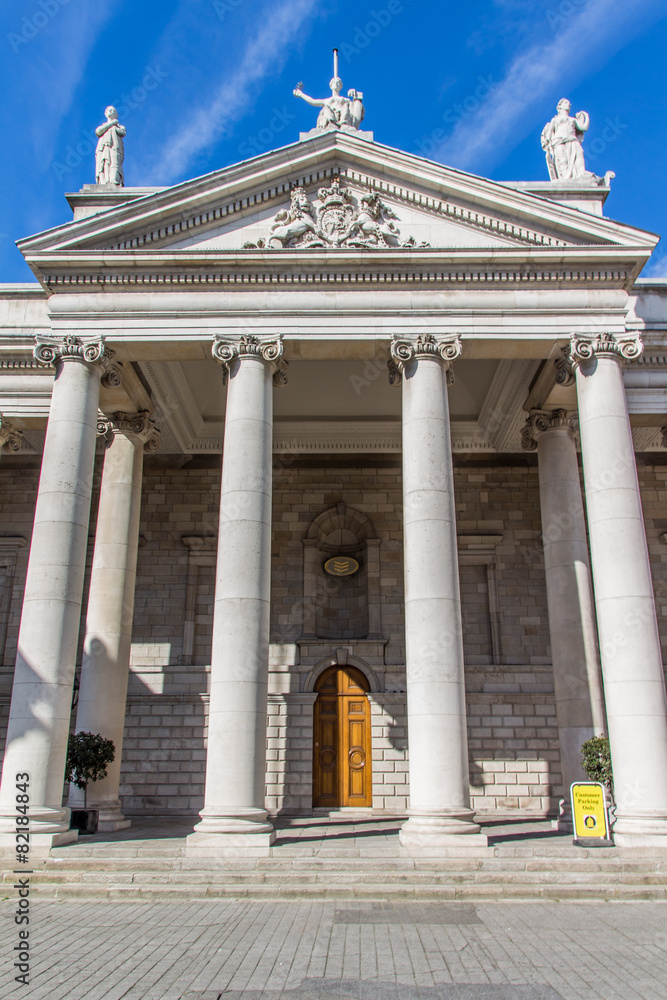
point(562, 142)
point(344, 113)
point(110, 153)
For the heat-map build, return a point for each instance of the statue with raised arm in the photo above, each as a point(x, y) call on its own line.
point(562, 140)
point(345, 113)
point(110, 153)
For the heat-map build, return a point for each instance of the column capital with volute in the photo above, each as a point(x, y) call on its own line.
point(51, 351)
point(10, 436)
point(269, 349)
point(140, 426)
point(587, 347)
point(539, 422)
point(405, 350)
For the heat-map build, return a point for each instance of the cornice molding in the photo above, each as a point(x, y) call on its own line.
point(322, 272)
point(23, 365)
point(326, 437)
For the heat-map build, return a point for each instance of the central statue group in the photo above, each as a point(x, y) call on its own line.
point(344, 113)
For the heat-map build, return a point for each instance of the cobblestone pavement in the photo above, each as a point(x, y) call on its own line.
point(330, 951)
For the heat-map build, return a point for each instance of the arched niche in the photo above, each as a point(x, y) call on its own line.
point(344, 607)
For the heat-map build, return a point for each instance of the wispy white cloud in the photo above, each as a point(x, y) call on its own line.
point(584, 40)
point(266, 52)
point(48, 70)
point(657, 266)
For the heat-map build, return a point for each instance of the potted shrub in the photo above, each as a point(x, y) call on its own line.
point(88, 755)
point(596, 762)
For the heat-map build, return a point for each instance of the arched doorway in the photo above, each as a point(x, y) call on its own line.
point(342, 773)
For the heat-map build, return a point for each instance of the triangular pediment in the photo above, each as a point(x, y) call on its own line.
point(414, 202)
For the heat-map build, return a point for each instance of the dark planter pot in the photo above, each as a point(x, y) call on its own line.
point(84, 820)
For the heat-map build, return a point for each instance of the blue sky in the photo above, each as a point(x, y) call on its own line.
point(205, 83)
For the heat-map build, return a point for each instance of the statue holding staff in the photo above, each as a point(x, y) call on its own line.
point(110, 153)
point(337, 112)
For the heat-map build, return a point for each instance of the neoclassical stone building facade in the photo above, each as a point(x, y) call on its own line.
point(303, 462)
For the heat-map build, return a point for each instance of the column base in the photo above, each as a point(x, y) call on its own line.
point(640, 831)
point(111, 825)
point(226, 845)
point(110, 818)
point(441, 830)
point(220, 835)
point(564, 823)
point(48, 828)
point(40, 843)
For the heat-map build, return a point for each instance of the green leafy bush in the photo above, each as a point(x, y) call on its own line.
point(596, 760)
point(88, 755)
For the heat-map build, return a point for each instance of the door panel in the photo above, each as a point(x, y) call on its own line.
point(342, 744)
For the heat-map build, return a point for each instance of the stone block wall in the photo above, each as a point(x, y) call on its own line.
point(513, 737)
point(513, 740)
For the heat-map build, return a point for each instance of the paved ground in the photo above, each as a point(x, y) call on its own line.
point(328, 951)
point(338, 836)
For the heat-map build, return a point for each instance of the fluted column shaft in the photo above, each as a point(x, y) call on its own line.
point(440, 810)
point(234, 813)
point(106, 650)
point(42, 692)
point(630, 652)
point(572, 628)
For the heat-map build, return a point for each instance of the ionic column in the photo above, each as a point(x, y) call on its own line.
point(10, 436)
point(575, 658)
point(106, 650)
point(634, 683)
point(42, 693)
point(234, 814)
point(440, 813)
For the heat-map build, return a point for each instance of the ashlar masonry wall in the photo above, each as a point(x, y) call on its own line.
point(512, 731)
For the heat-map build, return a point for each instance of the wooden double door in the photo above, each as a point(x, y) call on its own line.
point(342, 773)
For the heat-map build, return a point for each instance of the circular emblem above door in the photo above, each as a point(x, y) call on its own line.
point(341, 566)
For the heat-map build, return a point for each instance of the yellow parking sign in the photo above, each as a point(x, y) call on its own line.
point(589, 812)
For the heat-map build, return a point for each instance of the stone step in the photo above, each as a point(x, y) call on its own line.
point(564, 891)
point(424, 882)
point(353, 868)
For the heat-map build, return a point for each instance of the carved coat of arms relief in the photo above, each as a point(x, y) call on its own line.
point(340, 220)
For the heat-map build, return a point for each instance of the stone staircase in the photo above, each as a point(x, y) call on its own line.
point(503, 872)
